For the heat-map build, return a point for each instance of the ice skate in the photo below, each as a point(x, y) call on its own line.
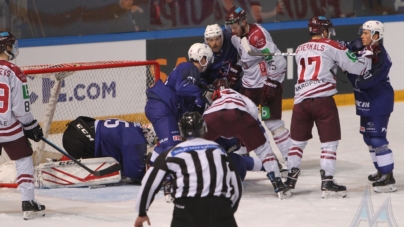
point(167, 188)
point(292, 178)
point(375, 176)
point(32, 209)
point(279, 187)
point(330, 188)
point(386, 183)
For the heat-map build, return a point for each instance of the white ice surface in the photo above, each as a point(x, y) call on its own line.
point(259, 206)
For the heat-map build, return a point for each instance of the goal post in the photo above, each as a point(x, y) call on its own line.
point(59, 93)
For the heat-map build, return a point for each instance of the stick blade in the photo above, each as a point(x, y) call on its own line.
point(114, 168)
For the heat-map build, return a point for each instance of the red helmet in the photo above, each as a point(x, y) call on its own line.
point(8, 39)
point(318, 24)
point(235, 14)
point(221, 83)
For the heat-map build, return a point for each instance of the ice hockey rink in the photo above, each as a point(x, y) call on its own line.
point(259, 206)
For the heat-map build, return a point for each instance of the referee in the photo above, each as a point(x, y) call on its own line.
point(206, 187)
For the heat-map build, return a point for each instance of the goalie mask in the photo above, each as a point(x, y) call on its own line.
point(8, 40)
point(192, 125)
point(319, 24)
point(374, 27)
point(198, 51)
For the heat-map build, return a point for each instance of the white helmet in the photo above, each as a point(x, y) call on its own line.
point(373, 26)
point(213, 30)
point(199, 50)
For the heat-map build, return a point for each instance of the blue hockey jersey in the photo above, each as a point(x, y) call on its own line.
point(227, 57)
point(123, 141)
point(373, 92)
point(180, 90)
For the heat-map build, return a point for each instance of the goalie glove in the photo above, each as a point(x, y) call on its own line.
point(269, 90)
point(33, 131)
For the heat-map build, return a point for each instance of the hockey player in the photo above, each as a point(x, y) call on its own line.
point(168, 101)
point(225, 57)
point(17, 124)
point(234, 115)
point(263, 76)
point(126, 142)
point(314, 102)
point(207, 190)
point(374, 98)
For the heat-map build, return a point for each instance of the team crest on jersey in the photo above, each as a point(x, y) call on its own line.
point(177, 138)
point(225, 68)
point(362, 129)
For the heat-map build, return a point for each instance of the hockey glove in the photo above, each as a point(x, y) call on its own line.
point(33, 131)
point(234, 75)
point(269, 90)
point(207, 94)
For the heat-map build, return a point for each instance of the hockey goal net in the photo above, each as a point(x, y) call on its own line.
point(60, 93)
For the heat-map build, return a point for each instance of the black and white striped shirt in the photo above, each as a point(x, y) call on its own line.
point(198, 167)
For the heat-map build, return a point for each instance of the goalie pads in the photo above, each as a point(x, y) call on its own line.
point(270, 89)
point(61, 174)
point(79, 138)
point(8, 175)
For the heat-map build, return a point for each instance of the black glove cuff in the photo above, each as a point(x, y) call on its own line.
point(31, 125)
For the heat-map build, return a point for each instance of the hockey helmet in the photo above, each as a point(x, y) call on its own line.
point(221, 83)
point(192, 125)
point(373, 26)
point(8, 39)
point(198, 51)
point(318, 24)
point(212, 31)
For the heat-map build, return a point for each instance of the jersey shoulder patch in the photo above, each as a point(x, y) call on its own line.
point(256, 37)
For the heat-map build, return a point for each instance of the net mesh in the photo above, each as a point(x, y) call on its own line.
point(60, 93)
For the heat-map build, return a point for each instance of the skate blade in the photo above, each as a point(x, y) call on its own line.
point(284, 195)
point(27, 215)
point(168, 198)
point(385, 189)
point(333, 195)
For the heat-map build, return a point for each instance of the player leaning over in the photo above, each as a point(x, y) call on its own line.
point(168, 101)
point(234, 115)
point(17, 120)
point(314, 102)
point(263, 76)
point(374, 98)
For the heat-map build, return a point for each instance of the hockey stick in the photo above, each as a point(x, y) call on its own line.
point(111, 169)
point(247, 48)
point(251, 53)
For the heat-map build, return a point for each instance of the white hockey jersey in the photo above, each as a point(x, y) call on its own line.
point(14, 102)
point(256, 69)
point(230, 99)
point(315, 59)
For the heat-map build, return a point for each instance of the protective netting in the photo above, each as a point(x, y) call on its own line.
point(111, 89)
